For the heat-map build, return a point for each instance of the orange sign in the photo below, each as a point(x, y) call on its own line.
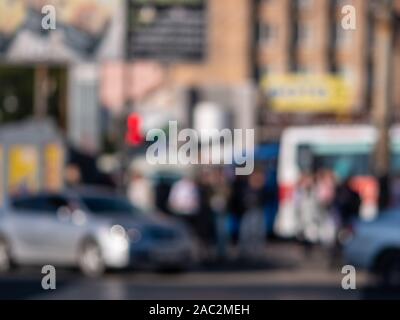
point(53, 167)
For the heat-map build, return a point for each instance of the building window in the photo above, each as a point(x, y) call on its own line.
point(343, 37)
point(268, 34)
point(269, 70)
point(304, 69)
point(304, 4)
point(347, 72)
point(304, 34)
point(341, 3)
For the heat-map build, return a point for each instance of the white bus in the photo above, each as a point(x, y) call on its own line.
point(345, 149)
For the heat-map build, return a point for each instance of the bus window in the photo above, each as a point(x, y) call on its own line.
point(305, 158)
point(345, 161)
point(344, 165)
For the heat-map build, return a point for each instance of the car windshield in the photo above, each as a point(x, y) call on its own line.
point(391, 215)
point(109, 205)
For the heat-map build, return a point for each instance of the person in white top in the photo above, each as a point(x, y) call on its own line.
point(184, 197)
point(141, 192)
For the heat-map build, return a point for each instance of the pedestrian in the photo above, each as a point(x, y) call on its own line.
point(272, 201)
point(219, 202)
point(184, 201)
point(307, 211)
point(347, 205)
point(395, 192)
point(141, 192)
point(236, 206)
point(325, 192)
point(205, 219)
point(162, 190)
point(252, 229)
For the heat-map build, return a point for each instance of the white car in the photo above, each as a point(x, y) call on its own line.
point(375, 246)
point(91, 230)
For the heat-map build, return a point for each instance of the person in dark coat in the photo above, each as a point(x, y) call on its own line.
point(237, 205)
point(205, 219)
point(347, 204)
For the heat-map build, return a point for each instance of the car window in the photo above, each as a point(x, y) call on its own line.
point(40, 204)
point(109, 205)
point(28, 204)
point(53, 203)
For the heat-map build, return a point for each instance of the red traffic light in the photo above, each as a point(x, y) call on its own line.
point(134, 135)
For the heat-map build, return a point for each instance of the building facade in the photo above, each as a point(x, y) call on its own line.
point(307, 37)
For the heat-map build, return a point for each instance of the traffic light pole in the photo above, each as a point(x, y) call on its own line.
point(122, 148)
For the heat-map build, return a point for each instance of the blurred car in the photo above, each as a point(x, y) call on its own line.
point(91, 230)
point(375, 246)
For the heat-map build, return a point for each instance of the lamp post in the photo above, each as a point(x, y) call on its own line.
point(382, 13)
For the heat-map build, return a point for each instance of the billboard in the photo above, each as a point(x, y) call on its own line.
point(53, 167)
point(307, 93)
point(84, 29)
point(167, 30)
point(23, 175)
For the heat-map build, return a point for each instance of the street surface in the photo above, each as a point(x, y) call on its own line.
point(285, 273)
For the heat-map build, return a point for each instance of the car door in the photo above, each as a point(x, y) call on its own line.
point(27, 223)
point(63, 228)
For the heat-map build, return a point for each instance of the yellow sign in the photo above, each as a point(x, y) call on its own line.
point(308, 93)
point(53, 172)
point(23, 169)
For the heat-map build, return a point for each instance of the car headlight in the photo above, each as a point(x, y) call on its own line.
point(119, 236)
point(118, 231)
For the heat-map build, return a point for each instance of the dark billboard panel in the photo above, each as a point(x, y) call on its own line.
point(167, 30)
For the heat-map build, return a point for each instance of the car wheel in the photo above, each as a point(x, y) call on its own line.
point(390, 269)
point(5, 259)
point(91, 261)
